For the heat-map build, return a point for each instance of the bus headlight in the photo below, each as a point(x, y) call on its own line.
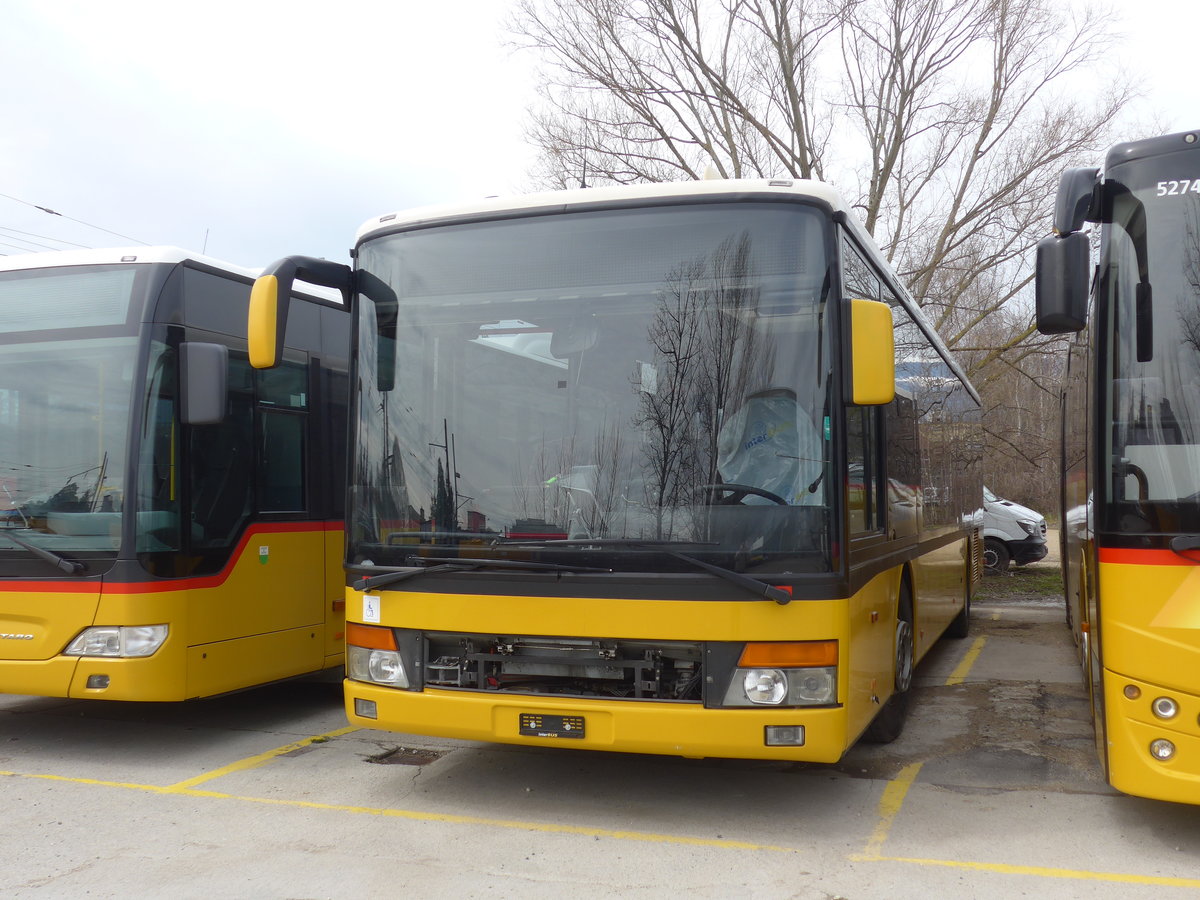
point(116, 641)
point(373, 655)
point(1162, 749)
point(782, 687)
point(376, 666)
point(784, 673)
point(765, 686)
point(1165, 708)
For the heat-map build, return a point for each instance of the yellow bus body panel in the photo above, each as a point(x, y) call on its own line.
point(863, 626)
point(270, 614)
point(627, 726)
point(1151, 627)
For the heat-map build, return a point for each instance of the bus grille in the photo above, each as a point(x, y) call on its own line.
point(576, 667)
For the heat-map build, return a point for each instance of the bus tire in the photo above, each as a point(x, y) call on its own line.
point(889, 721)
point(960, 625)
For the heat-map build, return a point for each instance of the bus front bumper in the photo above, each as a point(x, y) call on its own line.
point(1138, 741)
point(627, 726)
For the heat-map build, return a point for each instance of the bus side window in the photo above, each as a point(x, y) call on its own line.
point(864, 475)
point(221, 469)
point(282, 419)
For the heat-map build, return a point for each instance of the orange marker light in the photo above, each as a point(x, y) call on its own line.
point(370, 636)
point(789, 654)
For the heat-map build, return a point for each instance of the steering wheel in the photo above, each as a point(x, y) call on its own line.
point(737, 492)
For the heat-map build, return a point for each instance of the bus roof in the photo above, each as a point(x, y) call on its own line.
point(112, 256)
point(618, 195)
point(116, 256)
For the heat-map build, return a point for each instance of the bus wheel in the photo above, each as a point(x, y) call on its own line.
point(960, 625)
point(889, 722)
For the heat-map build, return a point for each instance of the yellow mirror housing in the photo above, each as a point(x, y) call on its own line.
point(266, 344)
point(872, 353)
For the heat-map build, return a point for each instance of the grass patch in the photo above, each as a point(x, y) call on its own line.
point(1022, 581)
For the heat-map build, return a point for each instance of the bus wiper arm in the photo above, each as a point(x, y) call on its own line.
point(753, 585)
point(70, 566)
point(455, 564)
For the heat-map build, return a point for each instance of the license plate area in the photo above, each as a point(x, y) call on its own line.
point(551, 726)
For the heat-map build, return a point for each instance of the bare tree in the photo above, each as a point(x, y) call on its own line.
point(947, 122)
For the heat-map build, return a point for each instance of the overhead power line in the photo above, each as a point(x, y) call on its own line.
point(52, 212)
point(25, 237)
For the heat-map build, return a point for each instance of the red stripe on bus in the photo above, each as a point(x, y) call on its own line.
point(152, 584)
point(1129, 557)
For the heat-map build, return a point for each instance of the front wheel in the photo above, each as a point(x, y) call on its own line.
point(889, 722)
point(995, 556)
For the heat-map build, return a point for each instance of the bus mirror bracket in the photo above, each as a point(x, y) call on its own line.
point(270, 297)
point(872, 380)
point(204, 370)
point(1061, 283)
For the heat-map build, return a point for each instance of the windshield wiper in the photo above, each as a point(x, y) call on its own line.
point(63, 565)
point(759, 588)
point(455, 564)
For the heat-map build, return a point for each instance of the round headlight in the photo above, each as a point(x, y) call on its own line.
point(1165, 708)
point(766, 686)
point(1162, 749)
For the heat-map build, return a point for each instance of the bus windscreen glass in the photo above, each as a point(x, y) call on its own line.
point(1152, 300)
point(580, 388)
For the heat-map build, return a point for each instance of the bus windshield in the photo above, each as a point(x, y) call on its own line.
point(593, 388)
point(1152, 294)
point(64, 411)
point(64, 422)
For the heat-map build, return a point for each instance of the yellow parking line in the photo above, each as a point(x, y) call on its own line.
point(1038, 871)
point(959, 675)
point(253, 762)
point(644, 836)
point(890, 803)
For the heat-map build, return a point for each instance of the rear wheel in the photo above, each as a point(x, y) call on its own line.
point(889, 723)
point(960, 625)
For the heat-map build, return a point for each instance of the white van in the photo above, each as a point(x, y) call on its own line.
point(1011, 533)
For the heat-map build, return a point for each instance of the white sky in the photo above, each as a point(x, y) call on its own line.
point(267, 128)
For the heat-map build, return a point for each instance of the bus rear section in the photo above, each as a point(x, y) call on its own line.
point(637, 469)
point(171, 521)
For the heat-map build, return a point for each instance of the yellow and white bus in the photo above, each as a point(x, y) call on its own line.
point(673, 468)
point(170, 519)
point(1131, 452)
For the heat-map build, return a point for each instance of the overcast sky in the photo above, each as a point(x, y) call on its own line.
point(256, 129)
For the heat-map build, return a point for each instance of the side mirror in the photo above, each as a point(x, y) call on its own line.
point(872, 377)
point(267, 321)
point(1061, 283)
point(204, 370)
point(1074, 200)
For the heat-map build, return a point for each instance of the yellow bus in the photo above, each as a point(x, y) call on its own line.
point(1131, 452)
point(170, 519)
point(673, 468)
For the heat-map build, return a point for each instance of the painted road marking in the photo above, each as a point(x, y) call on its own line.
point(253, 762)
point(641, 836)
point(959, 675)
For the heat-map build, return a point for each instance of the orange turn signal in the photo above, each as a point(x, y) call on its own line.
point(785, 654)
point(370, 636)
